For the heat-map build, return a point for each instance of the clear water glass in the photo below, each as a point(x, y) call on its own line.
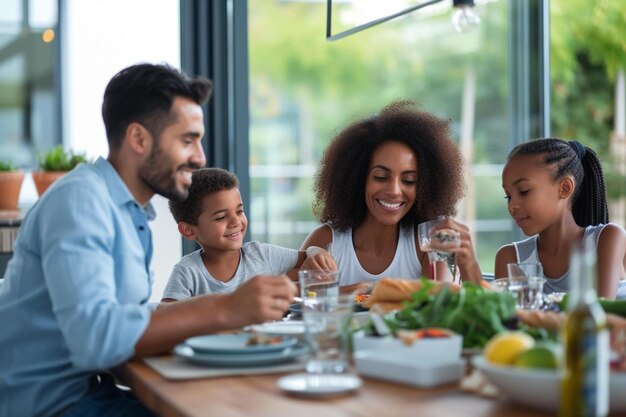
point(437, 242)
point(327, 320)
point(525, 282)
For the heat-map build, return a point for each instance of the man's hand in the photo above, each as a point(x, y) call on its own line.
point(263, 298)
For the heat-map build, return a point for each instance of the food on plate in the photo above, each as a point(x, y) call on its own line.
point(391, 292)
point(408, 337)
point(617, 307)
point(503, 348)
point(261, 339)
point(545, 354)
point(360, 298)
point(549, 320)
point(470, 310)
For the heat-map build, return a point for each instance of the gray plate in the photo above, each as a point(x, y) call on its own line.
point(236, 359)
point(235, 343)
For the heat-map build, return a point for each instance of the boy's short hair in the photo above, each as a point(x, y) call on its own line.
point(204, 181)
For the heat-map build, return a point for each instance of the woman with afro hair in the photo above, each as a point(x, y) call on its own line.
point(378, 179)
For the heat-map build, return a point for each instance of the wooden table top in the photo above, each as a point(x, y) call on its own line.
point(258, 395)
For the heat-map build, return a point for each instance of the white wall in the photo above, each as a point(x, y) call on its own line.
point(101, 38)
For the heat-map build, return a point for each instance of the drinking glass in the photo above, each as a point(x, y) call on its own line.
point(437, 242)
point(525, 282)
point(319, 283)
point(327, 317)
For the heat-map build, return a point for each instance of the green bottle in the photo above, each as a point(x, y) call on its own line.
point(584, 379)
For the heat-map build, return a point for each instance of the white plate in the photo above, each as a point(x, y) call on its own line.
point(398, 366)
point(235, 343)
point(444, 347)
point(319, 385)
point(237, 359)
point(279, 328)
point(539, 388)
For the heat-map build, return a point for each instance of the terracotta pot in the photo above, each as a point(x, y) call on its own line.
point(43, 179)
point(10, 186)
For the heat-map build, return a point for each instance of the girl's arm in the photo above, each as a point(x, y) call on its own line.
point(505, 255)
point(611, 254)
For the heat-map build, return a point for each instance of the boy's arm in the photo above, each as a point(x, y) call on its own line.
point(293, 272)
point(318, 258)
point(313, 258)
point(319, 238)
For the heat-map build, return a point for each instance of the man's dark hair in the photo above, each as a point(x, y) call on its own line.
point(204, 181)
point(144, 94)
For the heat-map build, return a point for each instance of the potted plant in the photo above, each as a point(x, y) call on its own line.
point(53, 164)
point(10, 185)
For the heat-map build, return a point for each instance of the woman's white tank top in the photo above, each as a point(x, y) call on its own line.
point(405, 263)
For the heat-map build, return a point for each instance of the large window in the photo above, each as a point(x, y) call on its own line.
point(29, 106)
point(588, 57)
point(303, 88)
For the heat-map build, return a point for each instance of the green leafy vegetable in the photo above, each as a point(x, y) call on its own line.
point(474, 312)
point(609, 306)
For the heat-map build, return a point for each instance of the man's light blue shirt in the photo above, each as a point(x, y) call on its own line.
point(74, 298)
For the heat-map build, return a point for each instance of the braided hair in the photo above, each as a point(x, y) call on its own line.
point(589, 205)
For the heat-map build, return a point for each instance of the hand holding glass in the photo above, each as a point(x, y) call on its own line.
point(437, 242)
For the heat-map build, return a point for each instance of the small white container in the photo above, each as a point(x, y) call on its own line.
point(446, 348)
point(397, 367)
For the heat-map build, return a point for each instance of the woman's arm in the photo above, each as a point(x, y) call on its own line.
point(320, 237)
point(611, 253)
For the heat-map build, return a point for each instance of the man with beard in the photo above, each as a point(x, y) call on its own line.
point(74, 298)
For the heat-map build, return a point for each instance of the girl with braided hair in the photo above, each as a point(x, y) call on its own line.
point(556, 194)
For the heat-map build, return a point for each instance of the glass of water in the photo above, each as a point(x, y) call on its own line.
point(525, 282)
point(437, 242)
point(327, 317)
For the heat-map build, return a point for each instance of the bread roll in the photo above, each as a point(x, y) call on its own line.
point(392, 291)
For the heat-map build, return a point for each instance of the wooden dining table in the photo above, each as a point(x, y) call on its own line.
point(259, 395)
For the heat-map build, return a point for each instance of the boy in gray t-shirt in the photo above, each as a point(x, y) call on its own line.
point(213, 216)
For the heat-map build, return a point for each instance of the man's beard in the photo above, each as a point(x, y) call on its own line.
point(158, 174)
